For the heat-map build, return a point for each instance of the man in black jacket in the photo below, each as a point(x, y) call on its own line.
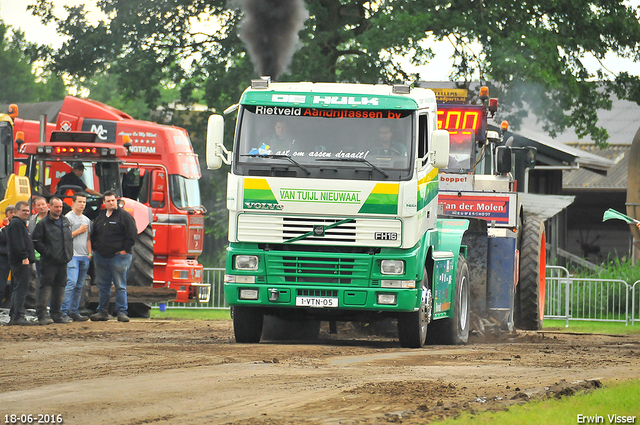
point(21, 256)
point(114, 234)
point(5, 268)
point(53, 240)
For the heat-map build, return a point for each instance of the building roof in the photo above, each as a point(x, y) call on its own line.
point(616, 178)
point(544, 206)
point(32, 111)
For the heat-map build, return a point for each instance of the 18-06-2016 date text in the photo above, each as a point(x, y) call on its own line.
point(42, 418)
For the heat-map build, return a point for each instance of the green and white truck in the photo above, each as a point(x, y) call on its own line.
point(333, 212)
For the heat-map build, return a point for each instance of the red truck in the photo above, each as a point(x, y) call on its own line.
point(161, 172)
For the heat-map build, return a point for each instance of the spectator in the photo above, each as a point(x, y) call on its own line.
point(112, 239)
point(21, 255)
point(9, 212)
point(79, 264)
point(72, 178)
point(52, 238)
point(42, 209)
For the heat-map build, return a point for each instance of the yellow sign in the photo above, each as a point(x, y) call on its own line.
point(451, 95)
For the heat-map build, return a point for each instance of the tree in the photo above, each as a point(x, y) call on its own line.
point(18, 83)
point(530, 50)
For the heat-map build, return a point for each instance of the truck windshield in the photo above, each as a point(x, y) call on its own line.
point(462, 151)
point(185, 193)
point(353, 144)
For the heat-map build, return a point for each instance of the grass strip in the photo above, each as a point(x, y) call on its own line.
point(191, 314)
point(598, 406)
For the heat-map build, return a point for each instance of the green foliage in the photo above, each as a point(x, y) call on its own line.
point(530, 50)
point(615, 268)
point(620, 398)
point(18, 83)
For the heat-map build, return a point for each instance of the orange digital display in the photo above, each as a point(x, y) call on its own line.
point(457, 117)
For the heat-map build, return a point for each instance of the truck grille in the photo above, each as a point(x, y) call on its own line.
point(312, 269)
point(273, 228)
point(317, 293)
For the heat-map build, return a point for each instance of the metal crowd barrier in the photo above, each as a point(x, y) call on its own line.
point(603, 300)
point(567, 298)
point(214, 276)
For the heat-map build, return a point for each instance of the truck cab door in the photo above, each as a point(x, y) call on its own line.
point(156, 178)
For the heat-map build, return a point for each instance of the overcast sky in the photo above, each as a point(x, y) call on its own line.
point(14, 13)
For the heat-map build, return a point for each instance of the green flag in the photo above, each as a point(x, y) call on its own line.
point(611, 213)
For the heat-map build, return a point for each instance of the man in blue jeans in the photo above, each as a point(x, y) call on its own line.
point(79, 264)
point(112, 239)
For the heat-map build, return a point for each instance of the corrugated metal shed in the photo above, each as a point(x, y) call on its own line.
point(544, 206)
point(616, 178)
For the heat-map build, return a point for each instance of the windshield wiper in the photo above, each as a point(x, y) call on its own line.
point(291, 160)
point(375, 167)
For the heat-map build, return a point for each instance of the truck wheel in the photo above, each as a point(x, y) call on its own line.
point(277, 329)
point(247, 324)
point(455, 330)
point(531, 288)
point(412, 327)
point(141, 270)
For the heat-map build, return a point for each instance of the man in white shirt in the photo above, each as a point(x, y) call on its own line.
point(79, 264)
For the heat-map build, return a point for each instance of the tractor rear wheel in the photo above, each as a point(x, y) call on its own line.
point(531, 287)
point(141, 270)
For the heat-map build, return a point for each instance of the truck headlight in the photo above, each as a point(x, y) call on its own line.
point(248, 294)
point(387, 299)
point(392, 267)
point(246, 262)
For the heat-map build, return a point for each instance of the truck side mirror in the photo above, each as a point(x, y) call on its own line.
point(216, 152)
point(440, 148)
point(503, 159)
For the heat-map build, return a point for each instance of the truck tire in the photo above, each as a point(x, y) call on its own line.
point(455, 330)
point(277, 329)
point(412, 327)
point(531, 288)
point(141, 270)
point(247, 324)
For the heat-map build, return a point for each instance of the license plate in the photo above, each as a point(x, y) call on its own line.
point(320, 302)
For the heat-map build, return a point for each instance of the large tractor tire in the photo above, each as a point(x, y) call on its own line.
point(276, 329)
point(141, 270)
point(531, 287)
point(455, 330)
point(412, 327)
point(247, 324)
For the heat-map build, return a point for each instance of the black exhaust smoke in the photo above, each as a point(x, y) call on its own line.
point(270, 29)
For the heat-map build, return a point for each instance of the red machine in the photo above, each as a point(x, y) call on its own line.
point(161, 172)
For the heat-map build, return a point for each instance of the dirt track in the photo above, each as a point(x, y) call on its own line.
point(153, 371)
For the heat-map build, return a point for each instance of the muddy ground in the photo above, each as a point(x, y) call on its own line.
point(168, 372)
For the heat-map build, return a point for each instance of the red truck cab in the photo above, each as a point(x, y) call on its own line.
point(161, 171)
